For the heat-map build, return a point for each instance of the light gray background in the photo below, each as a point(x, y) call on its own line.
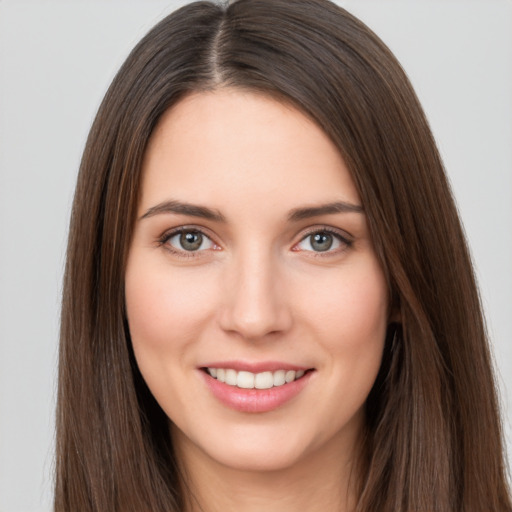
point(56, 61)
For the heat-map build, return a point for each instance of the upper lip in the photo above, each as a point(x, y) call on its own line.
point(255, 367)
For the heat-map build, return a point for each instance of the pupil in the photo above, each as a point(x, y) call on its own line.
point(321, 242)
point(191, 241)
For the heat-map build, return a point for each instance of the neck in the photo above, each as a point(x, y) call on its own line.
point(324, 481)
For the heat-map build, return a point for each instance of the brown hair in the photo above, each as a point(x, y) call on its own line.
point(433, 439)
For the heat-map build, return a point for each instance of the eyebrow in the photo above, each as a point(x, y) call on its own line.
point(184, 209)
point(324, 209)
point(203, 212)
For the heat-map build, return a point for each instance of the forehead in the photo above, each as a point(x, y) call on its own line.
point(237, 147)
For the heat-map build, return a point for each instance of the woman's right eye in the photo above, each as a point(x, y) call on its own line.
point(188, 240)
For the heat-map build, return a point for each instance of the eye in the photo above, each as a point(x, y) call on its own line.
point(322, 241)
point(188, 240)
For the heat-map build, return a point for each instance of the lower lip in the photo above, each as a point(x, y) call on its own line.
point(255, 400)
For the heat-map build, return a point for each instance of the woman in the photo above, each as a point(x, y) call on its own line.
point(268, 298)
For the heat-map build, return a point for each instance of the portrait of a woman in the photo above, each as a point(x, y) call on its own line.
point(269, 303)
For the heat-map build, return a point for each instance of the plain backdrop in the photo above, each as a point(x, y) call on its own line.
point(56, 61)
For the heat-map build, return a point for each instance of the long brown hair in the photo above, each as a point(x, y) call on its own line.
point(433, 437)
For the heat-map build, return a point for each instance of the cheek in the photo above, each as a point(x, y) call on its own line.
point(349, 321)
point(352, 330)
point(160, 303)
point(350, 309)
point(167, 311)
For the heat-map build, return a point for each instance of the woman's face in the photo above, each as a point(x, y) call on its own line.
point(252, 261)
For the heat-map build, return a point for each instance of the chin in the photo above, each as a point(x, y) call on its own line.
point(259, 460)
point(256, 449)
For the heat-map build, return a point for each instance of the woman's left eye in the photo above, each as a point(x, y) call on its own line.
point(322, 241)
point(189, 241)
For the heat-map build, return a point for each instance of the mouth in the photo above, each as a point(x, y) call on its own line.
point(249, 380)
point(257, 391)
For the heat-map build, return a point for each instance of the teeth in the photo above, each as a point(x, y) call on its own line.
point(230, 377)
point(264, 380)
point(248, 380)
point(290, 376)
point(279, 378)
point(244, 380)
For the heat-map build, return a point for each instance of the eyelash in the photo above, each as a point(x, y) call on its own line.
point(343, 239)
point(164, 239)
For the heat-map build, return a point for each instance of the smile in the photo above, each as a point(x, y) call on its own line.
point(269, 386)
point(249, 380)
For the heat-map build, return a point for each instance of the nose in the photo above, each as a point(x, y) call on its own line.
point(255, 302)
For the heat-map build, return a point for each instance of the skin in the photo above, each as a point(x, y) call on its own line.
point(256, 290)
